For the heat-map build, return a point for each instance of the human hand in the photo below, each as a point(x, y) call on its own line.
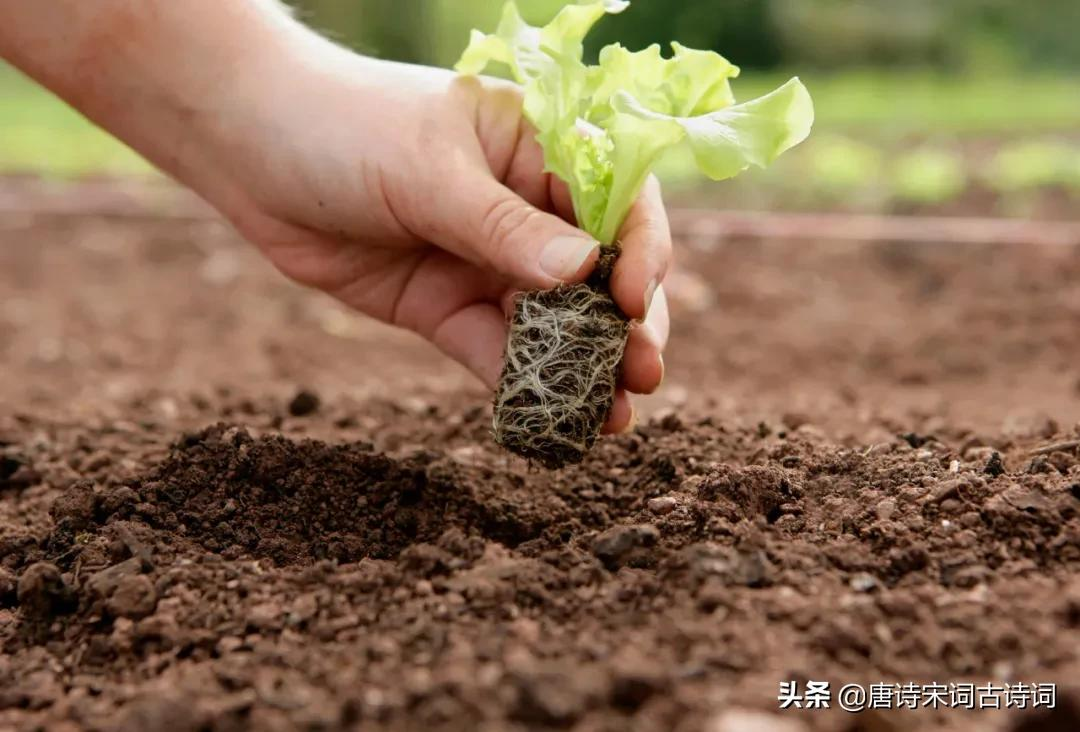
point(412, 194)
point(419, 198)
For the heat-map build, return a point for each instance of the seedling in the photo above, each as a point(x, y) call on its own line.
point(602, 128)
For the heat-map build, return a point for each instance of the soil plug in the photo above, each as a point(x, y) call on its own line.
point(602, 129)
point(559, 378)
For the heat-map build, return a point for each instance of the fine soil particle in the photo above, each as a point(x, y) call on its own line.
point(814, 496)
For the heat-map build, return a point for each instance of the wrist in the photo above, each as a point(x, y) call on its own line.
point(166, 81)
point(158, 74)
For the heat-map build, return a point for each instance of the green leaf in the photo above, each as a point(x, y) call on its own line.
point(689, 83)
point(729, 141)
point(636, 146)
point(604, 127)
point(513, 43)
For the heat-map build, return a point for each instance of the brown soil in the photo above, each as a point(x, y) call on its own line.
point(225, 503)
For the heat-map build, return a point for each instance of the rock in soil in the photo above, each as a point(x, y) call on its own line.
point(614, 546)
point(663, 505)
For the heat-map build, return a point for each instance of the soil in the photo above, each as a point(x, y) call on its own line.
point(226, 503)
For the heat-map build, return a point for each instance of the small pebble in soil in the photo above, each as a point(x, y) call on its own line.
point(885, 508)
point(863, 582)
point(304, 403)
point(614, 545)
point(663, 505)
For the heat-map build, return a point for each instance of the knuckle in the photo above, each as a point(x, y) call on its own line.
point(501, 220)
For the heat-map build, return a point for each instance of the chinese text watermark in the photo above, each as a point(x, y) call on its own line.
point(859, 697)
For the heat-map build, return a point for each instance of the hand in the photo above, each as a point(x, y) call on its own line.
point(411, 194)
point(419, 198)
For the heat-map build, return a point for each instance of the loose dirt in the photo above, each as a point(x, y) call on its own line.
point(226, 503)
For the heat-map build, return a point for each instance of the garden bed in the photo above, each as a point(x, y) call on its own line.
point(227, 503)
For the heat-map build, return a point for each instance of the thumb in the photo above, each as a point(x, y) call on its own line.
point(497, 228)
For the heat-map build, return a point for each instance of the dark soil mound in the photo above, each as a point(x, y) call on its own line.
point(288, 501)
point(296, 502)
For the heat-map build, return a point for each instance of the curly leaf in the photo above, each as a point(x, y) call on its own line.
point(603, 127)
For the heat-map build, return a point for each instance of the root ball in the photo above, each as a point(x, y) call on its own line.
point(558, 382)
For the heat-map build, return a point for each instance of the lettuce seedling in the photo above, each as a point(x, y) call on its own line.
point(602, 128)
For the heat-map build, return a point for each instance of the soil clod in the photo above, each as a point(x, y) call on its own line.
point(16, 472)
point(304, 403)
point(134, 597)
point(73, 510)
point(42, 592)
point(995, 466)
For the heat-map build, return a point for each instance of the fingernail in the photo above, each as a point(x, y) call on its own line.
point(649, 292)
point(563, 256)
point(663, 369)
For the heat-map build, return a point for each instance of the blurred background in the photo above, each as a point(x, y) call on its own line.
point(965, 106)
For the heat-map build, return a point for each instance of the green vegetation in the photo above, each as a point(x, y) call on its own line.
point(604, 127)
point(958, 36)
point(928, 175)
point(915, 101)
point(1033, 164)
point(41, 135)
point(894, 103)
